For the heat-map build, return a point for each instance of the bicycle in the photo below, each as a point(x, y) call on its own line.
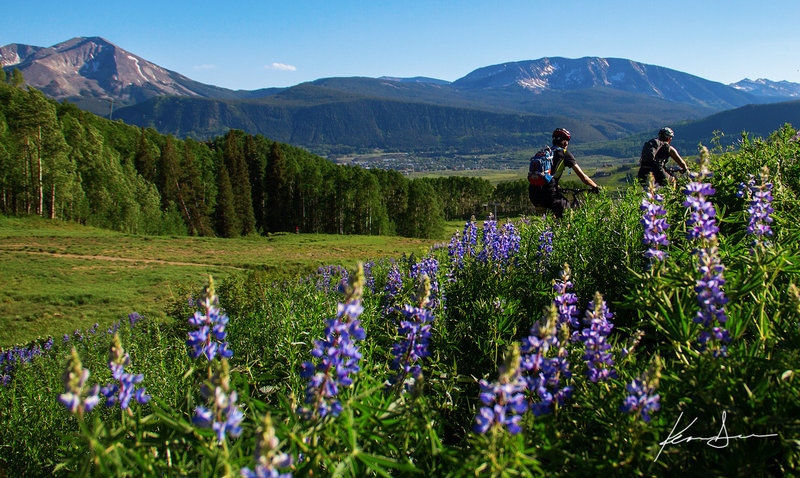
point(681, 176)
point(675, 171)
point(575, 198)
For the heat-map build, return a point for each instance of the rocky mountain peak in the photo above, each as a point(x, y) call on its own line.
point(93, 67)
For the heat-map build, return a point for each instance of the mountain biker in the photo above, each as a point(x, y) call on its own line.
point(655, 154)
point(549, 195)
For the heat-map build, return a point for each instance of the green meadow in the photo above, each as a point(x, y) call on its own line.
point(59, 277)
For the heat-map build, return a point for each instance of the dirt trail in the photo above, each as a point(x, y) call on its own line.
point(120, 259)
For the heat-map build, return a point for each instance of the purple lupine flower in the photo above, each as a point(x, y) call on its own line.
point(429, 266)
point(415, 330)
point(489, 236)
point(125, 390)
point(542, 371)
point(221, 413)
point(499, 248)
point(338, 353)
point(759, 208)
point(470, 237)
point(456, 251)
point(709, 287)
point(597, 355)
point(369, 277)
point(393, 288)
point(642, 399)
point(702, 215)
point(462, 246)
point(267, 455)
point(654, 224)
point(712, 300)
point(77, 397)
point(209, 338)
point(565, 301)
point(545, 247)
point(504, 400)
point(134, 318)
point(327, 277)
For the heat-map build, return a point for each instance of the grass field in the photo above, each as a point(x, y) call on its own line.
point(59, 277)
point(616, 178)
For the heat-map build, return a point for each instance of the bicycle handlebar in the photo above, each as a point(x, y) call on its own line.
point(674, 169)
point(577, 191)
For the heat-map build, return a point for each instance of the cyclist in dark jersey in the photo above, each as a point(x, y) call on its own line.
point(549, 195)
point(654, 163)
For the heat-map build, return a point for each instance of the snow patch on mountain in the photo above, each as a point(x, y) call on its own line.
point(138, 67)
point(767, 88)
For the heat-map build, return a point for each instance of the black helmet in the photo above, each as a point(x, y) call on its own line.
point(561, 133)
point(665, 133)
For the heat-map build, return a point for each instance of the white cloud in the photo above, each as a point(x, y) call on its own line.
point(205, 67)
point(280, 66)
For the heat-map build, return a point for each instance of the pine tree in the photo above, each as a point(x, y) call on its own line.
point(143, 159)
point(16, 78)
point(190, 186)
point(227, 220)
point(423, 215)
point(256, 167)
point(275, 189)
point(240, 181)
point(170, 173)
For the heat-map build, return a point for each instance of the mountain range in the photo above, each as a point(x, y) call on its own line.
point(499, 107)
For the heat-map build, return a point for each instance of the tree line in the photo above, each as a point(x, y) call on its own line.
point(60, 162)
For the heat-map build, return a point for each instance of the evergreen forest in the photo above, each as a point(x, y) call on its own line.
point(60, 162)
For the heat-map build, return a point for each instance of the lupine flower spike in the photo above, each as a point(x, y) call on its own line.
point(125, 390)
point(415, 330)
point(393, 288)
point(545, 248)
point(709, 287)
point(597, 355)
point(209, 338)
point(462, 246)
point(221, 413)
point(759, 196)
point(565, 301)
point(654, 224)
point(499, 248)
point(338, 353)
point(429, 267)
point(642, 399)
point(543, 374)
point(77, 397)
point(504, 400)
point(268, 457)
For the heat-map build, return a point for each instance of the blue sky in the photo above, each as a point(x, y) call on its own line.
point(258, 44)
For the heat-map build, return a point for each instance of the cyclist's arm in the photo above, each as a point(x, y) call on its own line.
point(673, 153)
point(583, 177)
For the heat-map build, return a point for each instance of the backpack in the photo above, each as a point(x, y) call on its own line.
point(649, 152)
point(540, 171)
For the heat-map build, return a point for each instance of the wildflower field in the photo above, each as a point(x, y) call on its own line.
point(648, 335)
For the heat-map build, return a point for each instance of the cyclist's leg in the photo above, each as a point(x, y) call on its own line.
point(642, 176)
point(559, 204)
point(539, 199)
point(662, 177)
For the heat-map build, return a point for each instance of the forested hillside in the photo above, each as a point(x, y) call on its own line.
point(61, 162)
